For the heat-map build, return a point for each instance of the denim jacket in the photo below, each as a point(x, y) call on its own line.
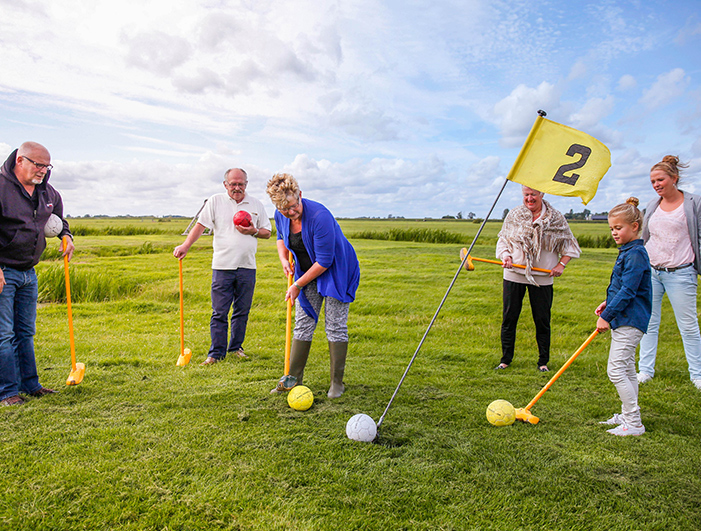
point(629, 295)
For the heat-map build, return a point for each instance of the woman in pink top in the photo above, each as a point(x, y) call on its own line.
point(671, 235)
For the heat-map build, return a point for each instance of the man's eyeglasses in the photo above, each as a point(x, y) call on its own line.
point(231, 186)
point(38, 165)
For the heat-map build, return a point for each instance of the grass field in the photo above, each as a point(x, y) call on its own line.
point(143, 444)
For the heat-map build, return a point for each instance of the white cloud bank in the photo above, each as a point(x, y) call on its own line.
point(414, 110)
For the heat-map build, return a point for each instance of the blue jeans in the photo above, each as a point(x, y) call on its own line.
point(230, 286)
point(680, 287)
point(18, 314)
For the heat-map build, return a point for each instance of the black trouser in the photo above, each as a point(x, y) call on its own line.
point(541, 299)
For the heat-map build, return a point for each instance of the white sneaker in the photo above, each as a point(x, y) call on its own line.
point(624, 430)
point(613, 421)
point(697, 383)
point(643, 377)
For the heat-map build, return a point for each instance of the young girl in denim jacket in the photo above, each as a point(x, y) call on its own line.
point(626, 312)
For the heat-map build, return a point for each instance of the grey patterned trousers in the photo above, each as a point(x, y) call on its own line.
point(335, 316)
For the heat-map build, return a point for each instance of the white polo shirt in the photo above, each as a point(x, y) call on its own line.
point(231, 248)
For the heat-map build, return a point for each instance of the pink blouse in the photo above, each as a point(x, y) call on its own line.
point(669, 244)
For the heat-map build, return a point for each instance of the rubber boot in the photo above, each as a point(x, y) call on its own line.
point(337, 353)
point(299, 352)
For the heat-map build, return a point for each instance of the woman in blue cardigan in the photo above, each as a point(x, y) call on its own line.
point(326, 270)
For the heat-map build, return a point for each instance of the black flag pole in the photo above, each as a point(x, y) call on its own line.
point(514, 170)
point(479, 231)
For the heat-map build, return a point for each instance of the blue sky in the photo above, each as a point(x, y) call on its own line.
point(377, 107)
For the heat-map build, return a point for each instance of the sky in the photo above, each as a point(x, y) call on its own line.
point(377, 107)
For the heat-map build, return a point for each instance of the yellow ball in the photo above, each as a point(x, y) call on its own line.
point(501, 413)
point(300, 398)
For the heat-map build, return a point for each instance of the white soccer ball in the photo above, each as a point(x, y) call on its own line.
point(53, 227)
point(361, 428)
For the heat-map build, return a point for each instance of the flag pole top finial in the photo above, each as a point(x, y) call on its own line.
point(542, 113)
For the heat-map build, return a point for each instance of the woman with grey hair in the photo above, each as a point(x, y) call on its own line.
point(534, 234)
point(326, 270)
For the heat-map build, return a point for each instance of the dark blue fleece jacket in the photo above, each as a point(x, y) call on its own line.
point(22, 218)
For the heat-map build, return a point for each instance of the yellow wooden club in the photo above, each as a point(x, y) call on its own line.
point(524, 414)
point(470, 266)
point(77, 369)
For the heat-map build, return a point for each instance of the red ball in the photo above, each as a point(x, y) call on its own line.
point(242, 218)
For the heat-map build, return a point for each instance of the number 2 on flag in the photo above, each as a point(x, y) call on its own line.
point(574, 149)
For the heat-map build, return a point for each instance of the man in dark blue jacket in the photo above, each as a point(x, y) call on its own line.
point(27, 201)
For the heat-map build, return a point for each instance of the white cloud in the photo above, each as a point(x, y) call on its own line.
point(197, 83)
point(667, 87)
point(696, 147)
point(578, 71)
point(516, 113)
point(626, 83)
point(484, 171)
point(690, 31)
point(404, 108)
point(157, 51)
point(593, 112)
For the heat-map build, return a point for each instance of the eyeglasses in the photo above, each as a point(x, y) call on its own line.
point(38, 165)
point(231, 186)
point(290, 207)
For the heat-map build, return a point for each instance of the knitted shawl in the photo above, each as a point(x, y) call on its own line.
point(550, 232)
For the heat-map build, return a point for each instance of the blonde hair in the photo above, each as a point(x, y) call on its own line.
point(671, 166)
point(280, 186)
point(629, 212)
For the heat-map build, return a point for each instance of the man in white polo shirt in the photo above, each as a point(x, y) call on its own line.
point(233, 261)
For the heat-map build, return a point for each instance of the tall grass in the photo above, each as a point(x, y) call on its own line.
point(601, 241)
point(425, 235)
point(51, 253)
point(410, 235)
point(86, 286)
point(128, 230)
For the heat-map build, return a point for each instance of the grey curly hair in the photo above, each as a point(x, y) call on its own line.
point(280, 186)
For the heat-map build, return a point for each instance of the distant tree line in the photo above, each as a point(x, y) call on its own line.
point(585, 215)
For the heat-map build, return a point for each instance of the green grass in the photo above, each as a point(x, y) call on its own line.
point(143, 444)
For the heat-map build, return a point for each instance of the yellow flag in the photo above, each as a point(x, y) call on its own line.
point(559, 160)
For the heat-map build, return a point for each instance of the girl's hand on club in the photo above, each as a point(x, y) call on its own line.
point(507, 262)
point(602, 326)
point(600, 308)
